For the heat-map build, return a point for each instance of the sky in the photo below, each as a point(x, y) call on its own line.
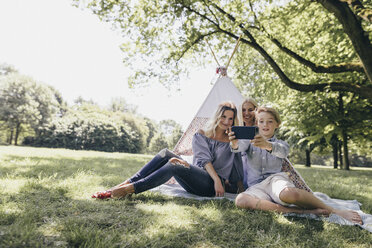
point(72, 50)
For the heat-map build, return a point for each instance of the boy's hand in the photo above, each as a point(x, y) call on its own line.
point(261, 142)
point(233, 140)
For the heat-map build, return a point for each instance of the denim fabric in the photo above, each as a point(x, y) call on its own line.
point(193, 179)
point(157, 162)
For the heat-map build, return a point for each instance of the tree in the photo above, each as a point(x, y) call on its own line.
point(312, 121)
point(152, 127)
point(89, 127)
point(25, 103)
point(158, 142)
point(175, 137)
point(5, 69)
point(119, 104)
point(319, 48)
point(344, 28)
point(172, 131)
point(79, 101)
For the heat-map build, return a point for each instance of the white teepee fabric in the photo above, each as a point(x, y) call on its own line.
point(223, 90)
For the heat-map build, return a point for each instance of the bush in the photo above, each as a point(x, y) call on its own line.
point(90, 128)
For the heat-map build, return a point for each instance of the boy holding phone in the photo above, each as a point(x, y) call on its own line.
point(268, 187)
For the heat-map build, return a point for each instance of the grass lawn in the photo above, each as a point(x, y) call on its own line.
point(45, 201)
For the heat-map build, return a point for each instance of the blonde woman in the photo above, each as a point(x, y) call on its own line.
point(246, 117)
point(246, 112)
point(215, 169)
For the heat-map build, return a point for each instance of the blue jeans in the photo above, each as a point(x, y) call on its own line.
point(158, 171)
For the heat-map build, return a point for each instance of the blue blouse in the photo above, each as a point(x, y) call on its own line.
point(219, 154)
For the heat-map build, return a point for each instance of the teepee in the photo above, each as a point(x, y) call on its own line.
point(223, 90)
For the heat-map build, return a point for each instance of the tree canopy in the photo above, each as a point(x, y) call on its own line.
point(308, 45)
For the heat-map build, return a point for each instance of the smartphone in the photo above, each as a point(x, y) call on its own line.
point(244, 132)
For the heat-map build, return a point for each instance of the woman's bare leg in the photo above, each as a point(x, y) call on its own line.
point(307, 200)
point(251, 202)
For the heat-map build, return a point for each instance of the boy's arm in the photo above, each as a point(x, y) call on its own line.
point(280, 149)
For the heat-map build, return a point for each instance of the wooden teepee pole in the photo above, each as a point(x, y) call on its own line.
point(236, 48)
point(212, 53)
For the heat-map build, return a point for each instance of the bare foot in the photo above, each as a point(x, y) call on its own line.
point(122, 191)
point(126, 182)
point(349, 215)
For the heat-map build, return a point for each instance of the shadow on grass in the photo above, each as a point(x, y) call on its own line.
point(46, 217)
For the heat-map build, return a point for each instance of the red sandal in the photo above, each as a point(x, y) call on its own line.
point(102, 195)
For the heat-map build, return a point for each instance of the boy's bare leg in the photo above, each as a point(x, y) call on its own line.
point(251, 202)
point(307, 200)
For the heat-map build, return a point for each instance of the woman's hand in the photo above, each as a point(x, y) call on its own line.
point(179, 161)
point(261, 142)
point(220, 191)
point(233, 140)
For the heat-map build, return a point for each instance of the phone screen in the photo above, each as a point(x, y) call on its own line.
point(244, 132)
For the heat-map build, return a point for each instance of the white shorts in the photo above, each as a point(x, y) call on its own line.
point(270, 188)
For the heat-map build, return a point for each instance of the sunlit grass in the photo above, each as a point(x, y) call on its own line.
point(45, 201)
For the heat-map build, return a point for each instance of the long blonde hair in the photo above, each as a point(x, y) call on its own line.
point(240, 110)
point(210, 130)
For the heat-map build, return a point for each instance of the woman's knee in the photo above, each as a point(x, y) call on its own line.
point(166, 153)
point(163, 152)
point(290, 195)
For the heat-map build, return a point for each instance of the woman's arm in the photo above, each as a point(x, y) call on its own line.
point(220, 191)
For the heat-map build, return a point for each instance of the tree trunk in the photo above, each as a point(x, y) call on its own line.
point(10, 140)
point(340, 154)
point(308, 161)
point(334, 142)
point(18, 129)
point(345, 158)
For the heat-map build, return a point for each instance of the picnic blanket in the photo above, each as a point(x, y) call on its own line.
point(177, 191)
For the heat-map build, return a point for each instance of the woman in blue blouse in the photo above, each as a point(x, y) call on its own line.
point(215, 169)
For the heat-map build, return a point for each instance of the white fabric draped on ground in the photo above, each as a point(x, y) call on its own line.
point(177, 191)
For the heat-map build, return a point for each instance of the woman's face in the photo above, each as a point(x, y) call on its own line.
point(227, 120)
point(248, 113)
point(266, 124)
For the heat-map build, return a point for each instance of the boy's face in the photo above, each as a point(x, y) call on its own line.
point(266, 124)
